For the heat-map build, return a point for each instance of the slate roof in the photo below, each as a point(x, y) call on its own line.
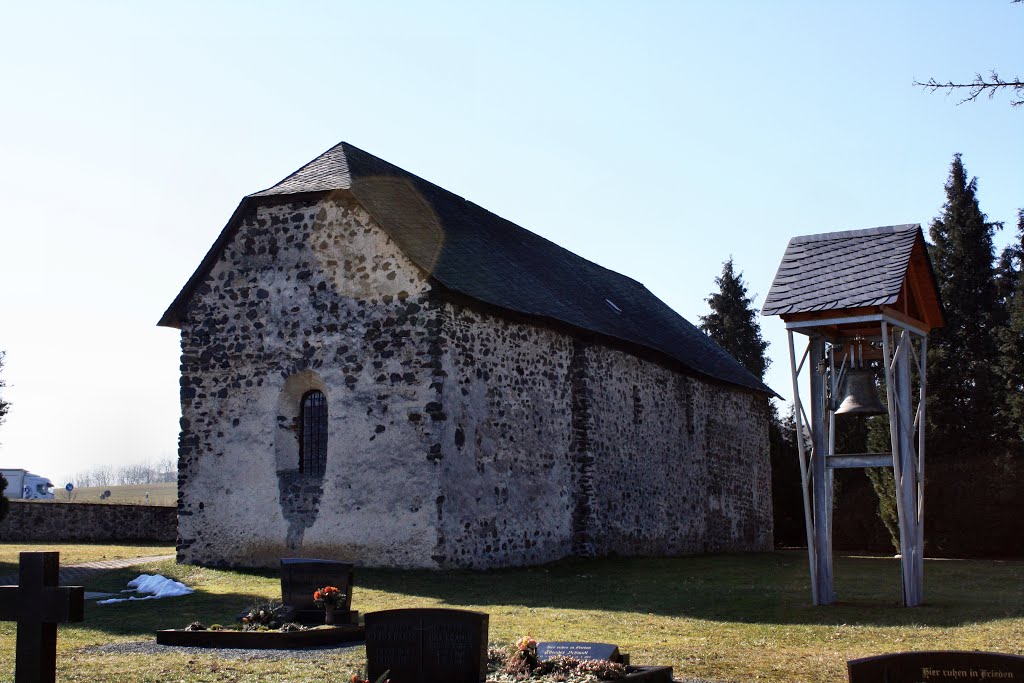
point(478, 254)
point(842, 270)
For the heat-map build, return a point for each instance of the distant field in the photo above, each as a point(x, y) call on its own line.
point(159, 494)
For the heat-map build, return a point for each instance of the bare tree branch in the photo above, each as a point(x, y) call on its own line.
point(979, 86)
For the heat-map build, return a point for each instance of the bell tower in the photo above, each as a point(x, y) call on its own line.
point(859, 296)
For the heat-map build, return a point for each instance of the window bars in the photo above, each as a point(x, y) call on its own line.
point(313, 430)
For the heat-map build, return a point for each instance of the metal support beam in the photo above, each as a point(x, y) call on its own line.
point(798, 411)
point(922, 376)
point(820, 476)
point(847, 460)
point(906, 466)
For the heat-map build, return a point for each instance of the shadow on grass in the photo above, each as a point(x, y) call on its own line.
point(210, 604)
point(767, 588)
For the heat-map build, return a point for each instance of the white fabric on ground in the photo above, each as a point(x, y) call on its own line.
point(155, 585)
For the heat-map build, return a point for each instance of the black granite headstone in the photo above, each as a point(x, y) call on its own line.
point(937, 667)
point(580, 651)
point(301, 576)
point(427, 645)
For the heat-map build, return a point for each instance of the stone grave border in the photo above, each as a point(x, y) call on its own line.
point(262, 640)
point(346, 631)
point(649, 674)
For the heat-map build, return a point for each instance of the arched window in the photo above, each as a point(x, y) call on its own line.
point(313, 424)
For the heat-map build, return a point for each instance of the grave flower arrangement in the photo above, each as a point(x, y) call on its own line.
point(328, 596)
point(523, 658)
point(262, 616)
point(520, 663)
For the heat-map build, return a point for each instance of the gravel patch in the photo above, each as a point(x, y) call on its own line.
point(150, 647)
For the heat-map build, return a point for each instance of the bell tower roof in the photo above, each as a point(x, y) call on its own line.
point(839, 278)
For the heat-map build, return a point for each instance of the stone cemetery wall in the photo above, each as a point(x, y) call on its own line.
point(457, 437)
point(33, 520)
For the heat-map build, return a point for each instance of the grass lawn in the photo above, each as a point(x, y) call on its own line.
point(721, 618)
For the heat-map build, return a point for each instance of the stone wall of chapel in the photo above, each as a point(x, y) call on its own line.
point(679, 465)
point(507, 469)
point(457, 436)
point(319, 293)
point(553, 446)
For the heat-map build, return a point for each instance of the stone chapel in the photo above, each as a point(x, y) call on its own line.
point(376, 370)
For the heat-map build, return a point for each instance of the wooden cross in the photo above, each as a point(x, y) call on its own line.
point(38, 605)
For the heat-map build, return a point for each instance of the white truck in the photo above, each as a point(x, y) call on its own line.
point(25, 485)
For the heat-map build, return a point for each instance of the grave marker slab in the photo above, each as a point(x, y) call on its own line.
point(580, 651)
point(937, 667)
point(427, 645)
point(301, 576)
point(38, 604)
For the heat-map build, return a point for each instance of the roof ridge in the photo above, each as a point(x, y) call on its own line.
point(474, 252)
point(340, 169)
point(846, 234)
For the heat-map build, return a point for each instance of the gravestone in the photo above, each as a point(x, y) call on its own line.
point(300, 577)
point(38, 604)
point(581, 651)
point(937, 667)
point(427, 645)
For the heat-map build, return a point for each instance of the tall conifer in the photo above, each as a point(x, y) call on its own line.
point(963, 356)
point(4, 405)
point(732, 323)
point(1011, 347)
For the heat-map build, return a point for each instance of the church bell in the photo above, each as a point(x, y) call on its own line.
point(861, 394)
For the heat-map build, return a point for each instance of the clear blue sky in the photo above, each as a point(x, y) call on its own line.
point(655, 138)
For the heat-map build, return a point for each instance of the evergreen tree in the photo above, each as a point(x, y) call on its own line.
point(787, 496)
point(4, 505)
point(1011, 339)
point(882, 479)
point(1008, 270)
point(732, 323)
point(4, 405)
point(963, 356)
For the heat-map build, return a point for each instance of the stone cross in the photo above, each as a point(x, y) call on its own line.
point(38, 605)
